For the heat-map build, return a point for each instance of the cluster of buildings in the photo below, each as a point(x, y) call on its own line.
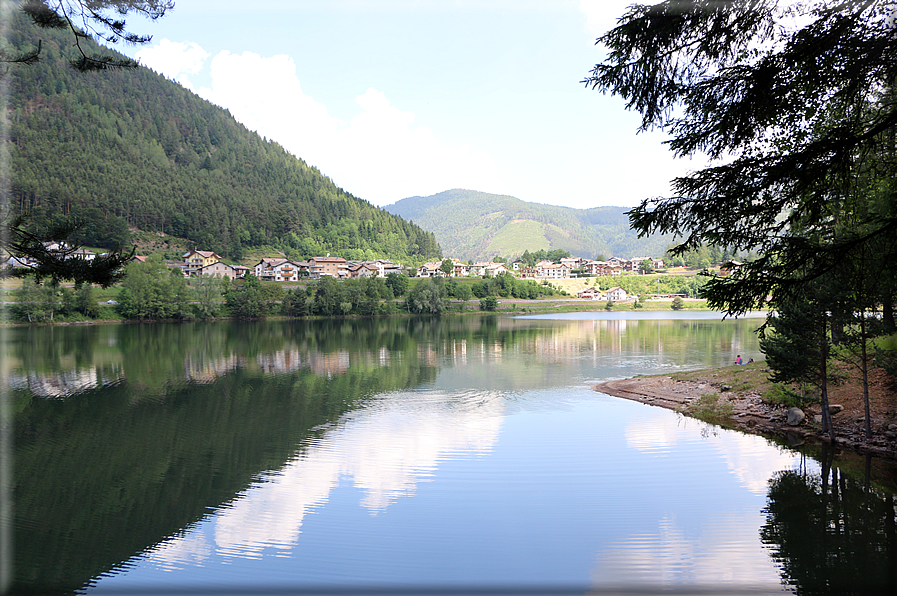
point(203, 262)
point(543, 269)
point(60, 250)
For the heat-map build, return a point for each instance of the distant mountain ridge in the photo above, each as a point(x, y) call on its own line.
point(473, 225)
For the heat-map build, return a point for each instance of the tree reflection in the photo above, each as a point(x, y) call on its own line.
point(831, 532)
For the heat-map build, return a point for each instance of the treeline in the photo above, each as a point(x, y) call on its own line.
point(703, 257)
point(152, 291)
point(132, 149)
point(642, 285)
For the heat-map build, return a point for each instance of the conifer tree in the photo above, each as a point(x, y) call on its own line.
point(791, 104)
point(799, 347)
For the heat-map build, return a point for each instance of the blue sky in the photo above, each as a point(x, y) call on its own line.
point(398, 98)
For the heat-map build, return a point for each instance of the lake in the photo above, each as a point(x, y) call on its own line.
point(451, 455)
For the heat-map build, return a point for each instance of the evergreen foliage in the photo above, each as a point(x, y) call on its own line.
point(131, 149)
point(793, 104)
point(92, 19)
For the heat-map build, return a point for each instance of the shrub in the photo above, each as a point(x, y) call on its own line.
point(781, 394)
point(710, 407)
point(489, 303)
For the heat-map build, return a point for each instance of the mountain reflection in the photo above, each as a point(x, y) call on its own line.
point(385, 449)
point(125, 436)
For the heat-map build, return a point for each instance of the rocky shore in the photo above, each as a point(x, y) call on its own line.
point(745, 405)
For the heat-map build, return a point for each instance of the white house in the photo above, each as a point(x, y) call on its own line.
point(616, 294)
point(589, 294)
point(553, 270)
point(221, 269)
point(276, 269)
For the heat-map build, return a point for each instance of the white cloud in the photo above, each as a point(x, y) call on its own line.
point(725, 547)
point(175, 60)
point(385, 449)
point(380, 155)
point(384, 156)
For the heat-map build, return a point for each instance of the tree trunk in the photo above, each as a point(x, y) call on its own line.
point(864, 366)
point(823, 380)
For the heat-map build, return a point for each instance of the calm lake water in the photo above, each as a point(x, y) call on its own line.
point(453, 455)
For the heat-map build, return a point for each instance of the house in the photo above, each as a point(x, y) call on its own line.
point(388, 267)
point(363, 269)
point(479, 269)
point(222, 269)
point(461, 269)
point(553, 270)
point(432, 269)
point(319, 267)
point(15, 262)
point(616, 294)
point(197, 259)
point(729, 267)
point(602, 268)
point(496, 269)
point(571, 262)
point(378, 268)
point(81, 253)
point(277, 269)
point(589, 294)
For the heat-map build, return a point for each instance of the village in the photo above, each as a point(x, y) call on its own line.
point(197, 263)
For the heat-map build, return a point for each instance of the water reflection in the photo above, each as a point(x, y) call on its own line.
point(67, 361)
point(832, 531)
point(384, 449)
point(705, 542)
point(458, 449)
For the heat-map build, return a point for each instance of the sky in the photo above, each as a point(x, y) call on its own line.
point(400, 98)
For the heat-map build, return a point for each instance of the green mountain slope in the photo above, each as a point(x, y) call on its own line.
point(131, 149)
point(474, 225)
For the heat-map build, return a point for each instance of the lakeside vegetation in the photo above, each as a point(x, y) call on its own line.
point(151, 292)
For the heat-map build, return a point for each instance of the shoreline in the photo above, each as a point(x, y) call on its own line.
point(751, 414)
point(514, 307)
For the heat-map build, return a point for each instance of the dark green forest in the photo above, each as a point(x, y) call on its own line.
point(126, 149)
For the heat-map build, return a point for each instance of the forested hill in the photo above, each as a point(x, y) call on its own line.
point(477, 225)
point(131, 148)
